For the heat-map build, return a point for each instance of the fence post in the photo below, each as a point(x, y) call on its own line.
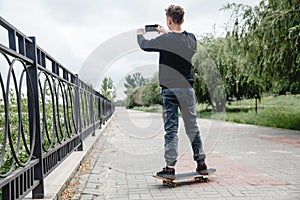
point(33, 99)
point(92, 95)
point(99, 111)
point(77, 112)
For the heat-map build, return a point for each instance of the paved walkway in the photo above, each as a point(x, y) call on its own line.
point(252, 162)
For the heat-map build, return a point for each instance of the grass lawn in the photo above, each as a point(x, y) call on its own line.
point(155, 108)
point(281, 112)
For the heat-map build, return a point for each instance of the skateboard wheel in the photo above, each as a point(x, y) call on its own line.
point(205, 180)
point(165, 183)
point(173, 185)
point(197, 179)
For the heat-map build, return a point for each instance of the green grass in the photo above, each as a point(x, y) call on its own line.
point(281, 112)
point(154, 108)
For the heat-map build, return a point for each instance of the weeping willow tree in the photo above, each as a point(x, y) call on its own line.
point(261, 52)
point(269, 38)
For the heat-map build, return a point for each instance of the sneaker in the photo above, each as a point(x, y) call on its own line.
point(202, 169)
point(167, 173)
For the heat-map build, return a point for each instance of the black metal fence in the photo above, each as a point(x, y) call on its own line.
point(46, 111)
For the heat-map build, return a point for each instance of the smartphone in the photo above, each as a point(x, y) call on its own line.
point(149, 28)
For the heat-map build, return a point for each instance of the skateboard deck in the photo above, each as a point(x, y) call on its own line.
point(183, 176)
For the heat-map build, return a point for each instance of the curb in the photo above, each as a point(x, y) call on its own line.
point(57, 180)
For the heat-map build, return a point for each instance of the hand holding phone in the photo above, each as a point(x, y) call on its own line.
point(162, 30)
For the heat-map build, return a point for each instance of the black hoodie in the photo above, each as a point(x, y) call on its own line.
point(175, 54)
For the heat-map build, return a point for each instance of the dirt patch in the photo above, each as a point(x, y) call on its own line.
point(72, 190)
point(288, 140)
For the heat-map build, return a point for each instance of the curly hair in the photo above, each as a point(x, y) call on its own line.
point(176, 13)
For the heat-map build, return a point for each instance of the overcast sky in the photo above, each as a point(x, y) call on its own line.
point(70, 30)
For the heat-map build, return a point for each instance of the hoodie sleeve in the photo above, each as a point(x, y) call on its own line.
point(150, 45)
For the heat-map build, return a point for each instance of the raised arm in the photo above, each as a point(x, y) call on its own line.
point(155, 44)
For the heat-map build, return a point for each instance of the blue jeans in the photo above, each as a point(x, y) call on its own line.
point(183, 98)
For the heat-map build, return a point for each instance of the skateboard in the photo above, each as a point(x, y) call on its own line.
point(183, 176)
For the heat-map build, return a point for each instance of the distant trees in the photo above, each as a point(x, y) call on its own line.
point(151, 92)
point(134, 81)
point(141, 91)
point(108, 89)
